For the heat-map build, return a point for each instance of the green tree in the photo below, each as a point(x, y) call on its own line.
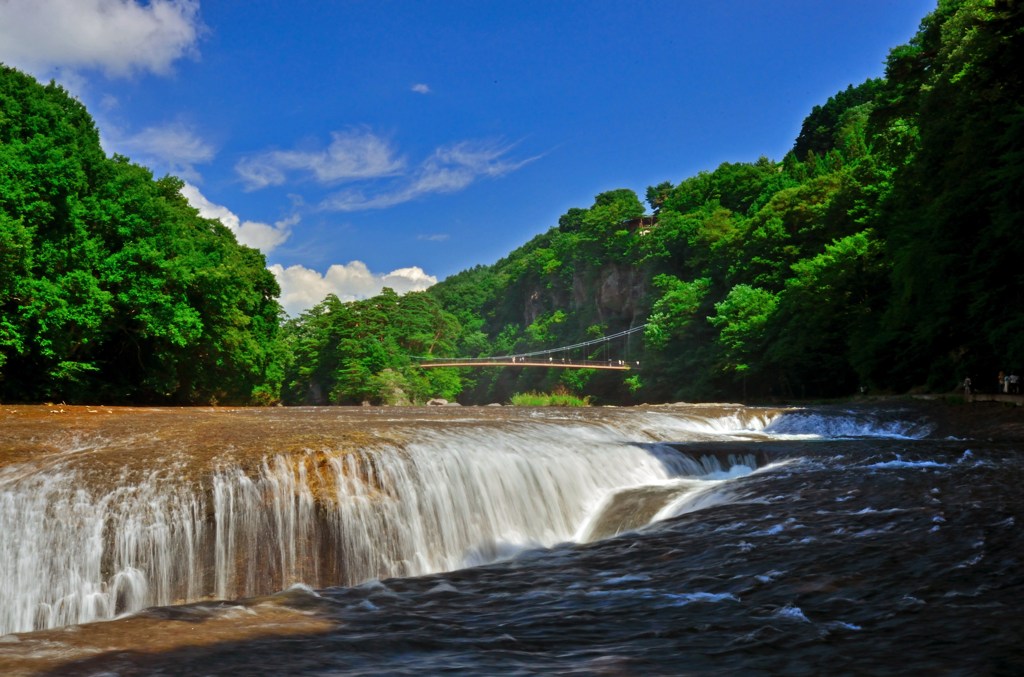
point(364, 351)
point(824, 317)
point(674, 313)
point(113, 287)
point(823, 129)
point(742, 319)
point(951, 113)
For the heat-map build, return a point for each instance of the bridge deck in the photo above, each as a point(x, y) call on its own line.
point(615, 365)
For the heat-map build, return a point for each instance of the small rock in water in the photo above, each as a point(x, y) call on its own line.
point(437, 402)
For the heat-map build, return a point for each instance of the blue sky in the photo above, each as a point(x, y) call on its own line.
point(363, 144)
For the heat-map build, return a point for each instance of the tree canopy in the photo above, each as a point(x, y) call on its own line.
point(882, 252)
point(112, 287)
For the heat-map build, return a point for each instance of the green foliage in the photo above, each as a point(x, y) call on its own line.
point(363, 351)
point(656, 195)
point(884, 250)
point(112, 288)
point(828, 125)
point(674, 312)
point(541, 331)
point(577, 380)
point(824, 317)
point(572, 220)
point(742, 318)
point(634, 383)
point(556, 399)
point(953, 215)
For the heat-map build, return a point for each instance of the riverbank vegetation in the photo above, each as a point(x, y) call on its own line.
point(559, 398)
point(882, 252)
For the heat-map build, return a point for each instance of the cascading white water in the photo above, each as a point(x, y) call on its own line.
point(838, 425)
point(70, 557)
point(447, 499)
point(443, 502)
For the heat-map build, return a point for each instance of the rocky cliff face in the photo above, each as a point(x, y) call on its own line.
point(613, 294)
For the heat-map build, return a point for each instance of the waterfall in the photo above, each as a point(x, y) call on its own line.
point(69, 556)
point(448, 497)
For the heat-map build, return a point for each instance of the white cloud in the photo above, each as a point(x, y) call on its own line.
point(433, 237)
point(352, 155)
point(421, 88)
point(120, 37)
point(109, 102)
point(174, 142)
point(175, 147)
point(73, 82)
point(302, 288)
point(449, 169)
point(262, 236)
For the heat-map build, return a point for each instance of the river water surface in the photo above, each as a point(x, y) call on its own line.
point(684, 539)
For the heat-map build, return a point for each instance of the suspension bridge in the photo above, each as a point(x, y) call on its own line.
point(607, 352)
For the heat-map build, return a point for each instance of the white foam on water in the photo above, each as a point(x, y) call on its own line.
point(811, 425)
point(791, 613)
point(899, 463)
point(842, 625)
point(449, 498)
point(628, 578)
point(704, 597)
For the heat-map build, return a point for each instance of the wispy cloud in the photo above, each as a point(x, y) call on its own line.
point(302, 288)
point(435, 237)
point(119, 37)
point(448, 170)
point(109, 102)
point(263, 236)
point(421, 88)
point(175, 147)
point(352, 155)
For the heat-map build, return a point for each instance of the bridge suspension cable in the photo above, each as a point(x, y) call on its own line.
point(584, 344)
point(522, 359)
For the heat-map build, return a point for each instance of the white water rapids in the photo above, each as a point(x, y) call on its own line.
point(75, 550)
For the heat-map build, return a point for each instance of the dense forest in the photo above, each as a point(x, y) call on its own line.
point(112, 289)
point(883, 252)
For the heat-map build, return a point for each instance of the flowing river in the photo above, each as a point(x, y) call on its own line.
point(679, 539)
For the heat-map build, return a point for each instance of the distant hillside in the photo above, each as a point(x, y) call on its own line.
point(883, 252)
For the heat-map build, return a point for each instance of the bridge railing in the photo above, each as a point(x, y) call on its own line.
point(528, 361)
point(548, 357)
